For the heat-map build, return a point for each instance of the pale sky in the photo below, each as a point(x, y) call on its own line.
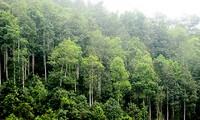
point(171, 8)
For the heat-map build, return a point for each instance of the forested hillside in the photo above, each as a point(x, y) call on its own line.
point(66, 59)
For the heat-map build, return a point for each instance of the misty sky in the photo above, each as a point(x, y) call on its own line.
point(171, 8)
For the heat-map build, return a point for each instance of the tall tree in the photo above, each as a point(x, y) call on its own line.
point(145, 84)
point(92, 68)
point(64, 59)
point(119, 77)
point(10, 35)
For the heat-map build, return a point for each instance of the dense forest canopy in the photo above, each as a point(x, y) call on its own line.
point(66, 59)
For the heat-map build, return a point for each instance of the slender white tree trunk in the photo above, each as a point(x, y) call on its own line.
point(6, 64)
point(44, 57)
point(45, 68)
point(33, 64)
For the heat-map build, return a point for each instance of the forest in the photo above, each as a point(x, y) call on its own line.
point(74, 60)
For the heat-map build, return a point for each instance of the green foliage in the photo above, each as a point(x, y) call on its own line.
point(118, 70)
point(92, 68)
point(67, 52)
point(135, 112)
point(112, 109)
point(65, 59)
point(98, 113)
point(12, 117)
point(49, 115)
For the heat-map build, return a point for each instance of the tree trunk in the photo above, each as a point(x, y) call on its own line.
point(14, 66)
point(61, 72)
point(18, 46)
point(6, 64)
point(45, 67)
point(149, 102)
point(92, 95)
point(172, 113)
point(90, 103)
point(25, 71)
point(99, 87)
point(33, 64)
point(77, 76)
point(44, 56)
point(23, 76)
point(92, 87)
point(157, 110)
point(167, 106)
point(144, 114)
point(28, 66)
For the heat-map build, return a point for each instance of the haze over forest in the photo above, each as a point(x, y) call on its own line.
point(76, 60)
